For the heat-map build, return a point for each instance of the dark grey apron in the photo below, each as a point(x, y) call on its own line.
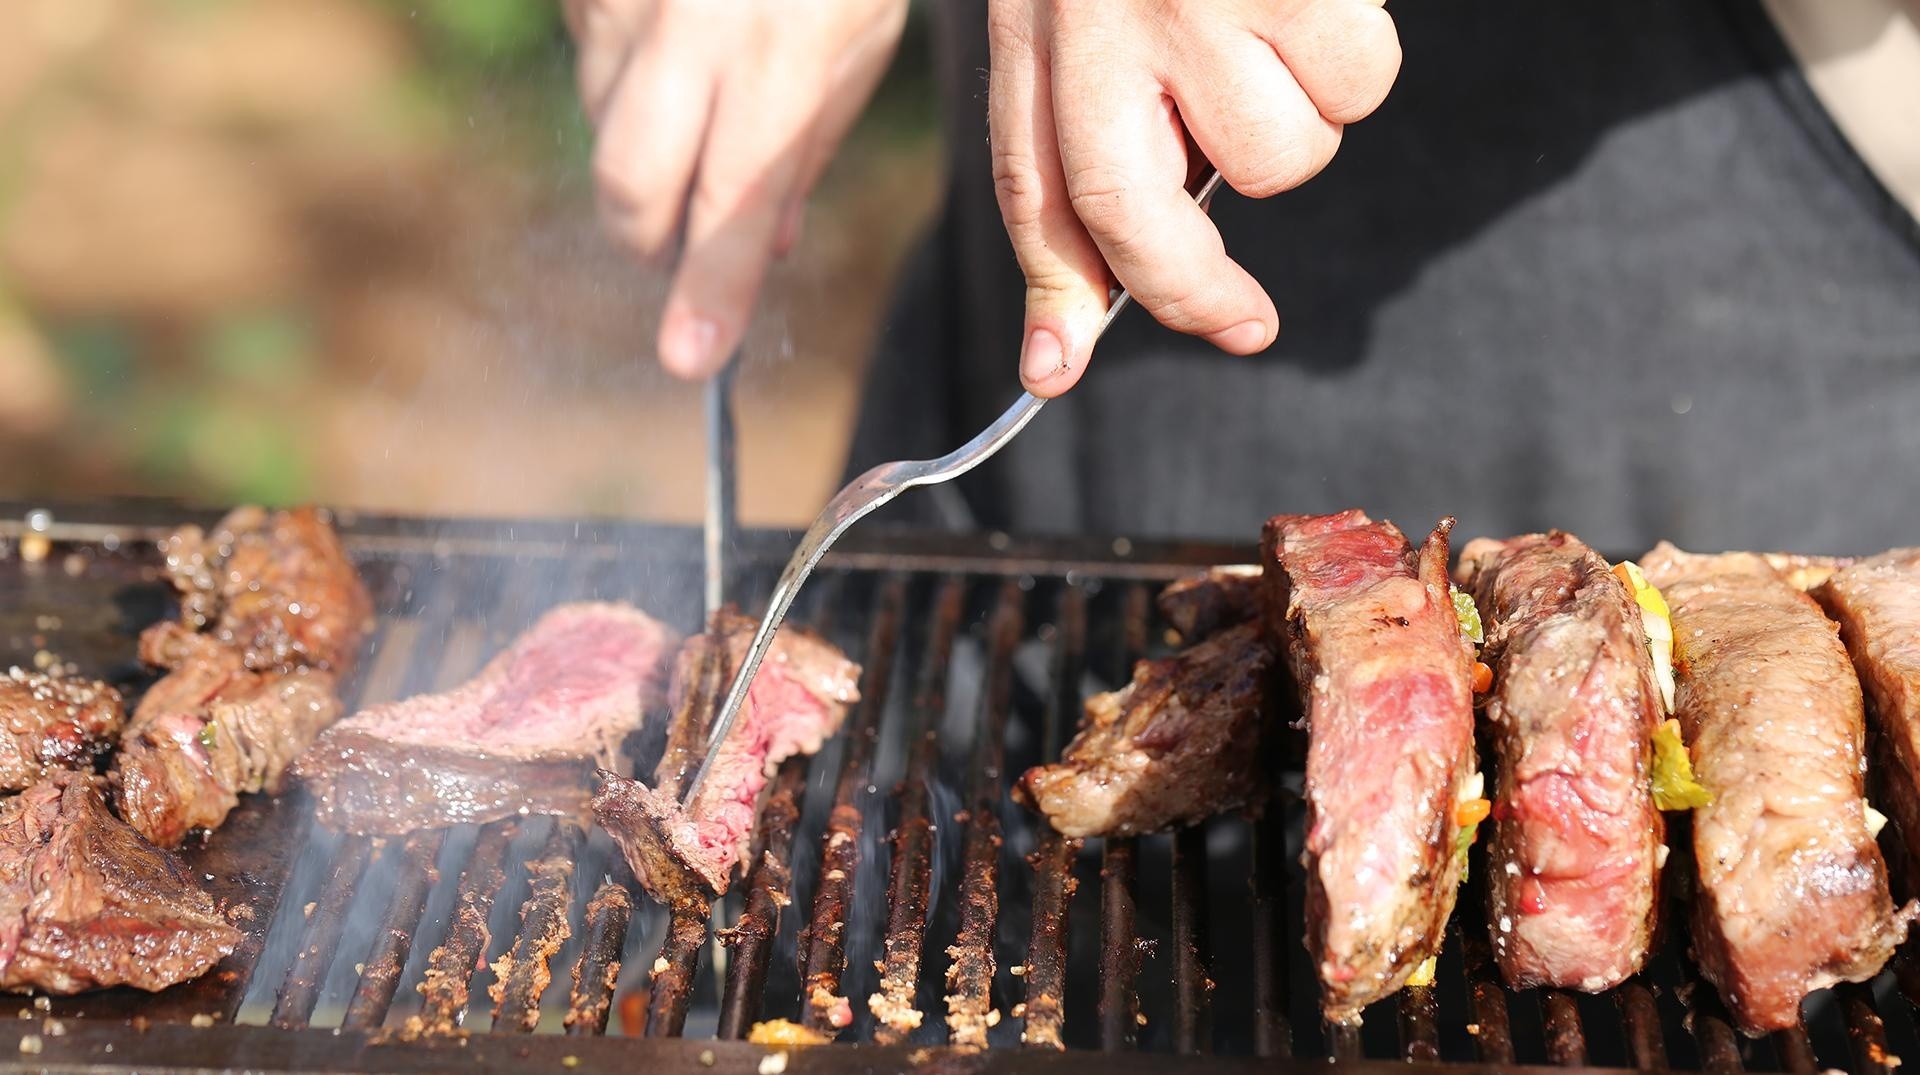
point(1604, 266)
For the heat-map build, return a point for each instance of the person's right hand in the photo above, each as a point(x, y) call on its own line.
point(715, 119)
point(1094, 105)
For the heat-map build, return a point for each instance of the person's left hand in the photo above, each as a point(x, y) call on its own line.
point(721, 115)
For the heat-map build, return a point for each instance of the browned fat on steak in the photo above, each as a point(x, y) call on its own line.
point(1212, 600)
point(209, 731)
point(1384, 674)
point(50, 722)
point(798, 699)
point(1179, 744)
point(1792, 893)
point(523, 736)
point(1575, 856)
point(1877, 604)
point(277, 586)
point(85, 903)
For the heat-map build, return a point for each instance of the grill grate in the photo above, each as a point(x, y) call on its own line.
point(891, 864)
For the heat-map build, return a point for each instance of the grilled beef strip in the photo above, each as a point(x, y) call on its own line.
point(1792, 894)
point(1876, 602)
point(1179, 744)
point(209, 731)
point(272, 614)
point(85, 903)
point(1574, 859)
point(1384, 674)
point(277, 586)
point(50, 722)
point(523, 736)
point(1211, 601)
point(799, 698)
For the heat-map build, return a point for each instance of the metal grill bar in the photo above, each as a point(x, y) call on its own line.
point(1795, 1051)
point(1865, 1030)
point(451, 965)
point(1640, 1018)
point(1119, 947)
point(388, 960)
point(1192, 986)
point(597, 971)
point(543, 929)
point(970, 1011)
point(326, 918)
point(1272, 1036)
point(675, 969)
point(769, 888)
point(910, 874)
point(1419, 1023)
point(1560, 1020)
point(1044, 1010)
point(824, 942)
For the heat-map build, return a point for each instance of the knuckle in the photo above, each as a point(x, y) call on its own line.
point(1285, 160)
point(627, 204)
point(1107, 203)
point(1017, 187)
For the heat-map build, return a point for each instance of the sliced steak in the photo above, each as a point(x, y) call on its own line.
point(209, 731)
point(1877, 604)
point(1178, 745)
point(799, 698)
point(1792, 893)
point(1212, 600)
point(523, 736)
point(1574, 860)
point(85, 903)
point(1384, 674)
point(50, 722)
point(277, 586)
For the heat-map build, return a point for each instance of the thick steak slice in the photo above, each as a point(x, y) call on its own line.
point(1212, 600)
point(1384, 674)
point(52, 722)
point(523, 736)
point(210, 730)
point(277, 586)
point(798, 699)
point(1574, 860)
point(85, 903)
point(1877, 604)
point(1793, 891)
point(1178, 745)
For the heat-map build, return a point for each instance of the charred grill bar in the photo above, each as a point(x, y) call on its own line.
point(890, 865)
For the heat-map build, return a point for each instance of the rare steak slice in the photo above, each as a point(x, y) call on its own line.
point(1876, 601)
point(1383, 669)
point(1179, 744)
point(1792, 894)
point(277, 586)
point(210, 730)
point(799, 698)
point(50, 722)
point(85, 903)
point(523, 736)
point(1574, 859)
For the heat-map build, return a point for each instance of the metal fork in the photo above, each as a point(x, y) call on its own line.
point(860, 498)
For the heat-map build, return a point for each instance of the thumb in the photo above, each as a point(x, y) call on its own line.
point(1067, 279)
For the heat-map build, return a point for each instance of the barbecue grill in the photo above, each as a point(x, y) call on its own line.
point(893, 863)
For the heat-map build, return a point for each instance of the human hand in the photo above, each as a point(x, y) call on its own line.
point(715, 121)
point(1097, 109)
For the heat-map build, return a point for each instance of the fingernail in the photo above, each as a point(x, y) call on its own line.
point(1043, 356)
point(1243, 338)
point(686, 345)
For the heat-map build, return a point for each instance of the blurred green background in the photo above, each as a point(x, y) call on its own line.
point(345, 250)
